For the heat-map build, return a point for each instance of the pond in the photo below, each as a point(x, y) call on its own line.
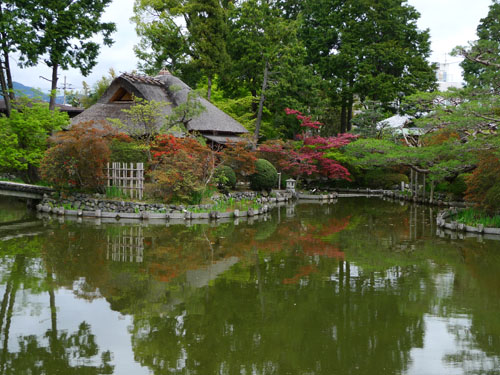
point(360, 286)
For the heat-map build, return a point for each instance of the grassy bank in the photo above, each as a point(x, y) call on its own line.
point(473, 217)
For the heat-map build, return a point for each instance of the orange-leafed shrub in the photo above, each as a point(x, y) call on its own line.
point(241, 158)
point(483, 184)
point(181, 168)
point(78, 156)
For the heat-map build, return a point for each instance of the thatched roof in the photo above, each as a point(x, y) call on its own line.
point(163, 88)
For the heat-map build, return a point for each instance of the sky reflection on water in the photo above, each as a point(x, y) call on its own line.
point(359, 287)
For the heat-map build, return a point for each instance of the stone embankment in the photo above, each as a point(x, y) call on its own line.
point(445, 220)
point(439, 200)
point(81, 205)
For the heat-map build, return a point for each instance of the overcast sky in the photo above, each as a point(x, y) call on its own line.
point(451, 22)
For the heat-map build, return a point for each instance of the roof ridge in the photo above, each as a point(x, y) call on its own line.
point(141, 78)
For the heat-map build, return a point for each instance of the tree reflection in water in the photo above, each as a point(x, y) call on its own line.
point(56, 352)
point(343, 289)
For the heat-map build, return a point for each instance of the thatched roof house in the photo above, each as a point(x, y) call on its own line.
point(213, 124)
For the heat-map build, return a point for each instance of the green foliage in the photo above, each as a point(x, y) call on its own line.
point(459, 185)
point(10, 155)
point(481, 57)
point(128, 152)
point(115, 192)
point(380, 58)
point(440, 161)
point(146, 119)
point(265, 176)
point(365, 123)
point(92, 94)
point(492, 198)
point(62, 34)
point(268, 61)
point(23, 135)
point(458, 113)
point(473, 217)
point(225, 177)
point(196, 45)
point(382, 178)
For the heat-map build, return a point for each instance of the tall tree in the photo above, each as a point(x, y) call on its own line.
point(208, 31)
point(481, 58)
point(265, 54)
point(10, 35)
point(63, 29)
point(196, 44)
point(367, 50)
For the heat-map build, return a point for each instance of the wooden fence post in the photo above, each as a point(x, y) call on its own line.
point(128, 178)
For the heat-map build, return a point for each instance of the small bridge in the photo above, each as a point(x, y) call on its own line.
point(23, 191)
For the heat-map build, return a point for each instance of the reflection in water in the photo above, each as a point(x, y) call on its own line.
point(126, 246)
point(12, 209)
point(360, 287)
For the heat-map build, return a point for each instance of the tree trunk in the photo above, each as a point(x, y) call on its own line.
point(53, 88)
point(32, 175)
point(411, 182)
point(5, 90)
point(5, 49)
point(431, 199)
point(10, 83)
point(15, 279)
point(53, 313)
point(261, 103)
point(423, 187)
point(350, 103)
point(209, 89)
point(5, 301)
point(343, 117)
point(255, 104)
point(415, 194)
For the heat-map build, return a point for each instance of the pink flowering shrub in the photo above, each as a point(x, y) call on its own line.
point(308, 156)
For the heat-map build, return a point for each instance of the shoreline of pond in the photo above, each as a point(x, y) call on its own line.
point(81, 205)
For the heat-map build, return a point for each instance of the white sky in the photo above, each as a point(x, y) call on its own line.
point(451, 22)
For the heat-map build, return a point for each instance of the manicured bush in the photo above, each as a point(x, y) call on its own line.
point(225, 177)
point(265, 176)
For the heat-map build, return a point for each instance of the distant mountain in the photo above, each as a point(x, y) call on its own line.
point(31, 92)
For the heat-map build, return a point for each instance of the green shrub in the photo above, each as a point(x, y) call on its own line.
point(492, 198)
point(458, 186)
point(379, 178)
point(225, 177)
point(128, 152)
point(442, 187)
point(265, 176)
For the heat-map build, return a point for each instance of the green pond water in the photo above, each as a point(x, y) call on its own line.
point(361, 286)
